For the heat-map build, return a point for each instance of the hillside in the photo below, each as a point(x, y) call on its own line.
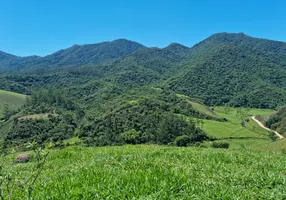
point(11, 101)
point(234, 69)
point(277, 121)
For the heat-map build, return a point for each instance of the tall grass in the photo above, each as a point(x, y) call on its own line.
point(156, 172)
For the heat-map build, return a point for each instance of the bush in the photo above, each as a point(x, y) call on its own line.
point(223, 145)
point(182, 141)
point(273, 136)
point(131, 136)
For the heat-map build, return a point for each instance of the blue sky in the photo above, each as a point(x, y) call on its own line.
point(41, 27)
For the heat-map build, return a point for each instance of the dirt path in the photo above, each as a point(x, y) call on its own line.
point(262, 126)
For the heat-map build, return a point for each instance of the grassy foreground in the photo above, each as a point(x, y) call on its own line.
point(156, 172)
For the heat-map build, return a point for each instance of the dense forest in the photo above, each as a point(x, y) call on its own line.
point(120, 92)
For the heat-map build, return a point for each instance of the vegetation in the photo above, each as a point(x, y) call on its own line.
point(234, 69)
point(277, 146)
point(232, 128)
point(277, 121)
point(10, 102)
point(151, 172)
point(223, 145)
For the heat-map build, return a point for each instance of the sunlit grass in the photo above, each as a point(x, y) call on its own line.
point(157, 172)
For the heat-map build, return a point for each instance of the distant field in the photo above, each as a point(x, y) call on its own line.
point(243, 144)
point(155, 172)
point(14, 100)
point(198, 107)
point(233, 127)
point(202, 108)
point(277, 146)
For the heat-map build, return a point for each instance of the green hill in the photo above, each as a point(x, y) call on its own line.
point(12, 100)
point(234, 69)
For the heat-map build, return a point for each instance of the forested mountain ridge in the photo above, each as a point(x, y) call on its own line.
point(225, 68)
point(75, 56)
point(235, 69)
point(6, 58)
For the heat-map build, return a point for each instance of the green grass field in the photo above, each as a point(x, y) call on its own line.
point(153, 172)
point(202, 108)
point(232, 127)
point(243, 144)
point(198, 106)
point(14, 100)
point(277, 146)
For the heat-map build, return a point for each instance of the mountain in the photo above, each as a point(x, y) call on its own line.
point(235, 69)
point(6, 58)
point(75, 56)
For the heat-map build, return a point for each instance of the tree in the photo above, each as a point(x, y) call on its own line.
point(243, 123)
point(130, 137)
point(6, 112)
point(182, 141)
point(273, 136)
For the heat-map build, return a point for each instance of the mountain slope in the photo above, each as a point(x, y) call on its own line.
point(10, 101)
point(235, 69)
point(5, 59)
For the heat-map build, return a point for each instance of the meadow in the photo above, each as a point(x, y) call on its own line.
point(13, 100)
point(152, 172)
point(231, 131)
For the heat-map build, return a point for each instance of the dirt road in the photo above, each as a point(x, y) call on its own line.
point(262, 126)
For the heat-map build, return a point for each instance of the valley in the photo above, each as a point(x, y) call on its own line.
point(126, 121)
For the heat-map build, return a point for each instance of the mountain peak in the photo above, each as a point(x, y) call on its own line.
point(121, 40)
point(130, 43)
point(176, 46)
point(228, 37)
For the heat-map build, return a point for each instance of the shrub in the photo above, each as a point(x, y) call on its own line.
point(131, 136)
point(223, 145)
point(182, 141)
point(273, 136)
